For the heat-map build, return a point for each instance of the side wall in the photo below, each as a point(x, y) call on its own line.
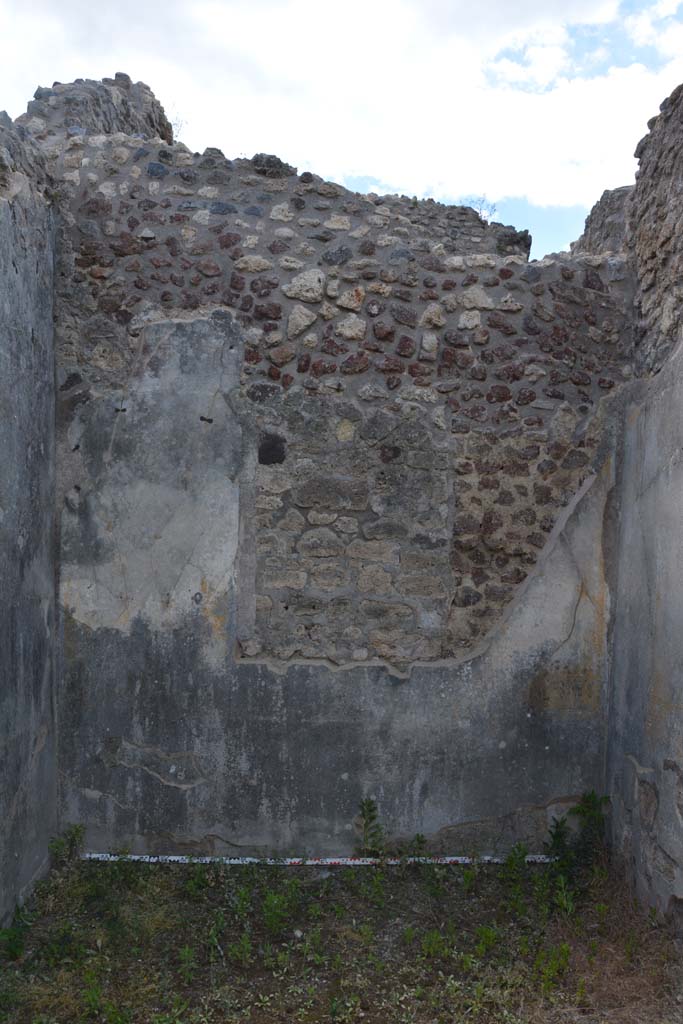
point(645, 734)
point(27, 540)
point(645, 762)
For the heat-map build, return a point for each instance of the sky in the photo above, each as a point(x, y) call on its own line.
point(531, 107)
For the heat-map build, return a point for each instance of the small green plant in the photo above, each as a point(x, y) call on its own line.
point(92, 994)
point(581, 992)
point(468, 962)
point(367, 936)
point(115, 1014)
point(63, 945)
point(434, 877)
point(283, 959)
point(470, 874)
point(373, 888)
point(176, 1014)
point(12, 939)
point(187, 964)
point(434, 945)
point(601, 910)
point(631, 945)
point(591, 838)
point(564, 897)
point(551, 964)
point(576, 853)
point(372, 832)
point(514, 866)
point(275, 911)
point(242, 903)
point(123, 872)
point(513, 874)
point(67, 846)
point(417, 846)
point(279, 906)
point(542, 891)
point(315, 911)
point(241, 952)
point(198, 881)
point(559, 846)
point(487, 937)
point(215, 932)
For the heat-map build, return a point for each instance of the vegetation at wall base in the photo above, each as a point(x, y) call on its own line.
point(133, 943)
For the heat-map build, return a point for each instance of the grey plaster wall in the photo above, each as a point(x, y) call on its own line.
point(171, 741)
point(645, 761)
point(28, 800)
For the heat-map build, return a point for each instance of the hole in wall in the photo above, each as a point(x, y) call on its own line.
point(272, 449)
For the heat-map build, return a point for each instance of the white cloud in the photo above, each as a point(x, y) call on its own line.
point(396, 89)
point(641, 28)
point(670, 41)
point(497, 23)
point(656, 27)
point(597, 56)
point(665, 8)
point(538, 66)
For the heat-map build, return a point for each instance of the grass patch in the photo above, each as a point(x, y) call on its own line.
point(135, 943)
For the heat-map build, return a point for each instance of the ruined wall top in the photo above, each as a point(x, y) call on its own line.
point(607, 224)
point(420, 404)
point(89, 107)
point(656, 240)
point(22, 164)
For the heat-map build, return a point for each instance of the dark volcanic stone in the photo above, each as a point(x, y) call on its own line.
point(272, 449)
point(271, 166)
point(337, 257)
point(157, 170)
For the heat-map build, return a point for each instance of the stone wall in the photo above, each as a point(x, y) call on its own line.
point(334, 470)
point(346, 499)
point(655, 241)
point(28, 794)
point(420, 403)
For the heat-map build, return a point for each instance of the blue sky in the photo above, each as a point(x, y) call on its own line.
point(535, 104)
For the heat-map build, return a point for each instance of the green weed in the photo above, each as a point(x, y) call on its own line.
point(564, 897)
point(591, 838)
point(434, 945)
point(279, 907)
point(551, 964)
point(67, 846)
point(187, 964)
point(12, 940)
point(372, 832)
point(487, 936)
point(198, 881)
point(241, 951)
